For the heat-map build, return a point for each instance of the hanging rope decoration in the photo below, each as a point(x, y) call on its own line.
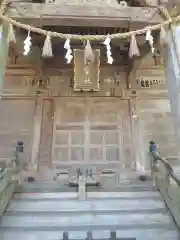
point(150, 39)
point(27, 44)
point(68, 55)
point(88, 53)
point(47, 49)
point(83, 37)
point(133, 49)
point(108, 50)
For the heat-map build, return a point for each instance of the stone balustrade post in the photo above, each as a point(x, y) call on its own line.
point(82, 187)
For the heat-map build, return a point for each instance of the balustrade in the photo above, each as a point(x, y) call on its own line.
point(10, 177)
point(166, 182)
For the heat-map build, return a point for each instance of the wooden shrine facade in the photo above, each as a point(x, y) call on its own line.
point(109, 125)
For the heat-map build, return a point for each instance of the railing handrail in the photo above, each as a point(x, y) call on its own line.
point(165, 181)
point(168, 167)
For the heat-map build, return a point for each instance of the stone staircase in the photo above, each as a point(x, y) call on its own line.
point(128, 212)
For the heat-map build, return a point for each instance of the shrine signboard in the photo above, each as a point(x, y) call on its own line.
point(86, 76)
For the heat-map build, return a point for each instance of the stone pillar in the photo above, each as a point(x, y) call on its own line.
point(4, 46)
point(172, 65)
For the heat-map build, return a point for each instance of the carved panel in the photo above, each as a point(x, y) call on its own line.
point(59, 82)
point(111, 83)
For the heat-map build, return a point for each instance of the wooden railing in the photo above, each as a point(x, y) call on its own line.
point(167, 182)
point(10, 176)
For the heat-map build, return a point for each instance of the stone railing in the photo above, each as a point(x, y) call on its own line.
point(166, 181)
point(10, 176)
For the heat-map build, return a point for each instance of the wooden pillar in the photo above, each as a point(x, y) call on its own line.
point(172, 66)
point(36, 134)
point(4, 46)
point(135, 132)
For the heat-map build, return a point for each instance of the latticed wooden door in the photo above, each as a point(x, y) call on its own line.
point(92, 132)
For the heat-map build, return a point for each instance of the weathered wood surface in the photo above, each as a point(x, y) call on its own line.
point(155, 123)
point(46, 134)
point(9, 182)
point(36, 135)
point(15, 125)
point(69, 14)
point(169, 189)
point(89, 131)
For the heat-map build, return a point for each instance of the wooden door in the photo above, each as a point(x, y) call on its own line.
point(109, 133)
point(92, 131)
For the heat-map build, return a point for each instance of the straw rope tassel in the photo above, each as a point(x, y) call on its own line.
point(47, 48)
point(68, 55)
point(88, 53)
point(133, 49)
point(150, 39)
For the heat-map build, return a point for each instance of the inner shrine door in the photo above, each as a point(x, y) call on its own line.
point(92, 132)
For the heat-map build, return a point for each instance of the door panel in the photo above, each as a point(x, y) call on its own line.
point(68, 141)
point(92, 131)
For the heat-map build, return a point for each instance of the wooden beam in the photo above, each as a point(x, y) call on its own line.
point(39, 14)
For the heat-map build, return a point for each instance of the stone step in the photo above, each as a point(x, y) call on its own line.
point(39, 187)
point(127, 212)
point(88, 205)
point(84, 212)
point(134, 234)
point(90, 221)
point(90, 195)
